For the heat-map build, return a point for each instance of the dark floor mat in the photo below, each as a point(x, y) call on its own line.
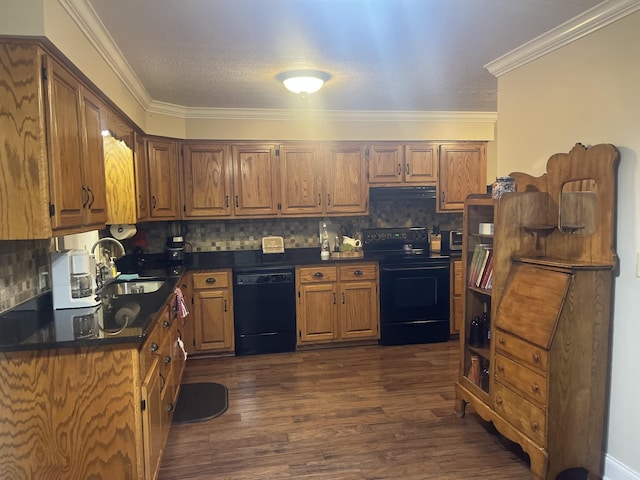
point(199, 402)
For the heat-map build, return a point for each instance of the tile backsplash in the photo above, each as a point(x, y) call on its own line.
point(221, 235)
point(22, 261)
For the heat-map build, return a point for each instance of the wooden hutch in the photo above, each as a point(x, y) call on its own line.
point(541, 375)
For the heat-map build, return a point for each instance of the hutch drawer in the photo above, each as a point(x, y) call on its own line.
point(517, 348)
point(526, 381)
point(522, 414)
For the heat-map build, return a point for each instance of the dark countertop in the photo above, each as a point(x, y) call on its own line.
point(35, 325)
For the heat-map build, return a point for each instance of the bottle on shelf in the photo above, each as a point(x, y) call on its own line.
point(476, 338)
point(486, 326)
point(484, 376)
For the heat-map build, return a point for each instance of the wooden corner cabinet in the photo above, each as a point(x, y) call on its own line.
point(544, 367)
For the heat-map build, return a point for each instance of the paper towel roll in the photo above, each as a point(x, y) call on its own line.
point(127, 314)
point(122, 231)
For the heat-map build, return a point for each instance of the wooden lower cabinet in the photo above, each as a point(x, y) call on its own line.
point(213, 311)
point(337, 303)
point(110, 407)
point(456, 310)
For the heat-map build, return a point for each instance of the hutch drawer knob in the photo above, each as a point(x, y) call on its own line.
point(210, 280)
point(170, 407)
point(358, 273)
point(318, 274)
point(535, 388)
point(534, 425)
point(498, 400)
point(167, 359)
point(501, 340)
point(166, 324)
point(536, 357)
point(154, 347)
point(501, 368)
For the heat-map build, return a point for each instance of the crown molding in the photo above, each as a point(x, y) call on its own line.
point(333, 115)
point(84, 16)
point(588, 22)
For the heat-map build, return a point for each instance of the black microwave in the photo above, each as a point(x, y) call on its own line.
point(451, 241)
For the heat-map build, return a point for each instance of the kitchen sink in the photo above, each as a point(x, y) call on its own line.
point(135, 287)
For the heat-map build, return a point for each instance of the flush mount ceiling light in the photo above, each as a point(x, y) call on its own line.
point(303, 81)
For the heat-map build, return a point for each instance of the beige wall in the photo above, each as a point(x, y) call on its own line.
point(589, 92)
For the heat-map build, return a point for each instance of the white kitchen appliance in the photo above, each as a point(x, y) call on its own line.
point(73, 280)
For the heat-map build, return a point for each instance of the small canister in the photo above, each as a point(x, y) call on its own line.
point(503, 185)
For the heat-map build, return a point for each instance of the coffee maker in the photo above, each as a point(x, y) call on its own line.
point(175, 251)
point(73, 280)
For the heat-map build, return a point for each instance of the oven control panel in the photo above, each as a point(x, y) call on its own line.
point(400, 235)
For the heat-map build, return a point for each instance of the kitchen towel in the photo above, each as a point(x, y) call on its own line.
point(181, 305)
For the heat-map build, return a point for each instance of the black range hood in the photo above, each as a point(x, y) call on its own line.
point(402, 193)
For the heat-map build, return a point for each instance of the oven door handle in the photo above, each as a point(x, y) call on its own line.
point(414, 268)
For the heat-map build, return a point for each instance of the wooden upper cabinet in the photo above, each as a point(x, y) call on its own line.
point(301, 187)
point(386, 163)
point(163, 179)
point(345, 178)
point(462, 171)
point(141, 170)
point(394, 164)
point(255, 179)
point(76, 169)
point(206, 180)
point(421, 163)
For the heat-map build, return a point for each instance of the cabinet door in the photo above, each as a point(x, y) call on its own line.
point(68, 192)
point(163, 179)
point(152, 421)
point(358, 310)
point(255, 180)
point(346, 178)
point(386, 163)
point(317, 313)
point(421, 163)
point(456, 297)
point(142, 178)
point(301, 187)
point(213, 320)
point(93, 159)
point(206, 180)
point(463, 171)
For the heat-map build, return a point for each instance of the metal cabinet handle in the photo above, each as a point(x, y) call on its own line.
point(163, 382)
point(210, 280)
point(358, 273)
point(318, 274)
point(399, 169)
point(226, 199)
point(328, 199)
point(406, 169)
point(170, 407)
point(167, 359)
point(237, 205)
point(225, 304)
point(166, 324)
point(344, 300)
point(92, 197)
point(85, 196)
point(154, 347)
point(153, 202)
point(319, 200)
point(334, 299)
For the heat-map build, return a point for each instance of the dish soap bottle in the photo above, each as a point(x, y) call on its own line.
point(324, 243)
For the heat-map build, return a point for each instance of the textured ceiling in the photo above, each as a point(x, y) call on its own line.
point(398, 55)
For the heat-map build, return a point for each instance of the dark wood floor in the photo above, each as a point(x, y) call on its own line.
point(367, 412)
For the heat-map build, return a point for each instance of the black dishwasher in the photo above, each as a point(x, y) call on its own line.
point(264, 306)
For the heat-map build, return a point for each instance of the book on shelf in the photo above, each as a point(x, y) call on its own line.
point(481, 266)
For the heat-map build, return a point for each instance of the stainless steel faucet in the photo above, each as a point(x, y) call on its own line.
point(103, 270)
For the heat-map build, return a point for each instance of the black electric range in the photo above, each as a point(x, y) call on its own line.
point(414, 285)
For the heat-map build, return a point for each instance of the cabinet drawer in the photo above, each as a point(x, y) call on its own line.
point(513, 346)
point(522, 414)
point(317, 274)
point(526, 381)
point(210, 280)
point(358, 272)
